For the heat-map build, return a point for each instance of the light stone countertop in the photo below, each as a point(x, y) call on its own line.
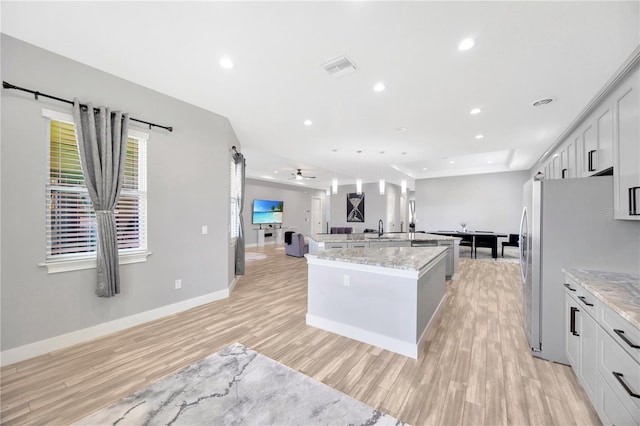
point(401, 236)
point(408, 258)
point(619, 291)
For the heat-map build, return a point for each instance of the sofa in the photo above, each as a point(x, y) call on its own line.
point(297, 247)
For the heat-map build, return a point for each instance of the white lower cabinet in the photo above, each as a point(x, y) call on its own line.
point(619, 373)
point(603, 352)
point(581, 341)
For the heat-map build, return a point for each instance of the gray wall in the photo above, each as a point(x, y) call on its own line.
point(188, 186)
point(376, 207)
point(486, 202)
point(297, 206)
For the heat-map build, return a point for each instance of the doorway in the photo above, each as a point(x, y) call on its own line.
point(316, 215)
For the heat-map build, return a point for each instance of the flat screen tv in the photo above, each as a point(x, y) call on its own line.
point(267, 212)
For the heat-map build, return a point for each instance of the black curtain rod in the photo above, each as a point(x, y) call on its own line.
point(6, 85)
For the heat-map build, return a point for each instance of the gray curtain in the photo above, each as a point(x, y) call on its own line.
point(240, 166)
point(102, 142)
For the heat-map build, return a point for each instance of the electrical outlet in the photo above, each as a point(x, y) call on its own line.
point(205, 230)
point(346, 280)
point(178, 284)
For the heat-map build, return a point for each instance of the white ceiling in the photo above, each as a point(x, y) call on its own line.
point(524, 51)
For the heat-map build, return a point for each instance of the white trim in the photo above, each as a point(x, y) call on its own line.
point(401, 347)
point(41, 347)
point(233, 284)
point(56, 266)
point(133, 133)
point(57, 115)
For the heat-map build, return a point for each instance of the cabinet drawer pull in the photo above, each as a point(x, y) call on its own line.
point(564, 173)
point(633, 207)
point(626, 387)
point(572, 327)
point(592, 168)
point(567, 285)
point(584, 300)
point(623, 337)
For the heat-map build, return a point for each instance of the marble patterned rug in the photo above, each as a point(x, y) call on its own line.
point(238, 386)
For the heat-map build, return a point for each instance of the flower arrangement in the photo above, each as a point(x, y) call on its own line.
point(464, 226)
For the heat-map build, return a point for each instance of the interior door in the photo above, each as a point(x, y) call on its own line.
point(316, 215)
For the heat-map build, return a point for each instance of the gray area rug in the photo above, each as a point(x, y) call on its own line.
point(238, 386)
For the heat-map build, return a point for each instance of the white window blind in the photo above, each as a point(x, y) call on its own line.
point(234, 179)
point(70, 218)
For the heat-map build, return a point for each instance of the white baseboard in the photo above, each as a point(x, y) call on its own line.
point(41, 347)
point(401, 347)
point(233, 284)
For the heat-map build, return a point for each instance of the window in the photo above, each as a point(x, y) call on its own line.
point(234, 223)
point(70, 219)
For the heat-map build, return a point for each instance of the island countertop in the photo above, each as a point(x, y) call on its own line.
point(401, 236)
point(407, 258)
point(619, 291)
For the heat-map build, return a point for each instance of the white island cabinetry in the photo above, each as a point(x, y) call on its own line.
point(385, 297)
point(320, 242)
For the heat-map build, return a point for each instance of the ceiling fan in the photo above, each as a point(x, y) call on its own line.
point(298, 175)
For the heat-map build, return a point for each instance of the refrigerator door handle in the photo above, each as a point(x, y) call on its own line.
point(521, 245)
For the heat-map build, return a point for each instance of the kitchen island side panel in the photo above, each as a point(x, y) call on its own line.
point(382, 309)
point(380, 303)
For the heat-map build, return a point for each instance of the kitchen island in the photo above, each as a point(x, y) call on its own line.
point(385, 297)
point(321, 242)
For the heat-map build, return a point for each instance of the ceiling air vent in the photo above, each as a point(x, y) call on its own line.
point(339, 67)
point(542, 102)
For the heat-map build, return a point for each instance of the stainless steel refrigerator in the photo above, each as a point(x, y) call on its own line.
point(567, 223)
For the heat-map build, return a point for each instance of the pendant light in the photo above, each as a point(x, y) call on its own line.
point(358, 180)
point(382, 182)
point(403, 186)
point(334, 181)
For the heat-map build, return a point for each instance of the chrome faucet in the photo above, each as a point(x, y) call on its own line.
point(380, 228)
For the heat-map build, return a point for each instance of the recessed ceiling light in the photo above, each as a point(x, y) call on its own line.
point(490, 162)
point(403, 153)
point(275, 171)
point(451, 162)
point(466, 44)
point(308, 122)
point(475, 111)
point(379, 87)
point(479, 136)
point(226, 62)
point(542, 102)
point(401, 129)
point(424, 168)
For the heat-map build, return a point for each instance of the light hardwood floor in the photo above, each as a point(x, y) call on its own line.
point(474, 370)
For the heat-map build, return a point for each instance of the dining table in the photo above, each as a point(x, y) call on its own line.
point(489, 236)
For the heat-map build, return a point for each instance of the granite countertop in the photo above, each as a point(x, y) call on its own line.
point(401, 236)
point(408, 258)
point(619, 291)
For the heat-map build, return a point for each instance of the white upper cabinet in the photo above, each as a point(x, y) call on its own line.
point(604, 127)
point(596, 148)
point(589, 147)
point(626, 152)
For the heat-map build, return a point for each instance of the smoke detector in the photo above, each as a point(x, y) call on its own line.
point(542, 102)
point(339, 67)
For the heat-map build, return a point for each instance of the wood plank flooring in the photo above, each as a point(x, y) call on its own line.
point(474, 370)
